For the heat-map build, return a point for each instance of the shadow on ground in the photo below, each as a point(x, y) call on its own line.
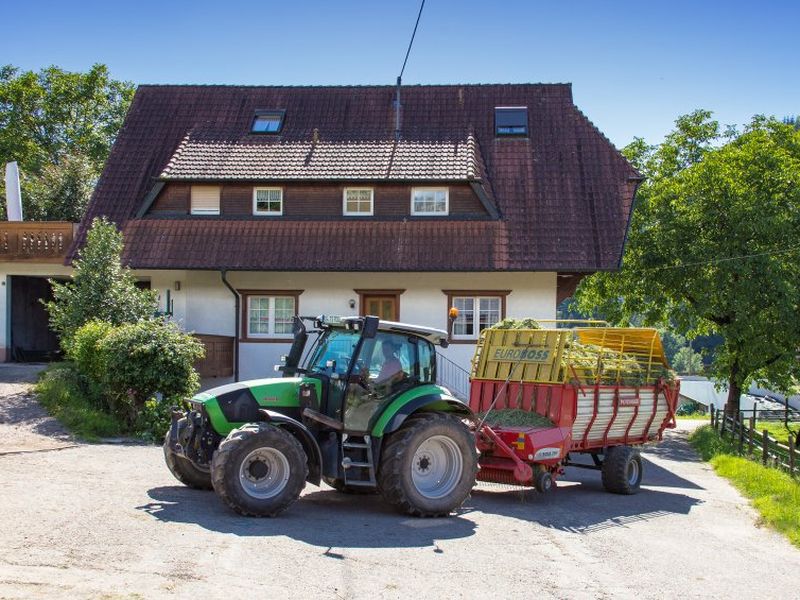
point(324, 518)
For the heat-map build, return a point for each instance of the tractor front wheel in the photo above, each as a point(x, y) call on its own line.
point(622, 470)
point(259, 470)
point(428, 466)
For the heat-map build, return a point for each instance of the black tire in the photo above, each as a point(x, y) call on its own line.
point(287, 474)
point(184, 470)
point(622, 470)
point(355, 490)
point(543, 482)
point(395, 480)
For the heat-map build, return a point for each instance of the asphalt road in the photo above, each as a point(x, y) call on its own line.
point(109, 521)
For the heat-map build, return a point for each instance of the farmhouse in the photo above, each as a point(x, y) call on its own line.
point(244, 206)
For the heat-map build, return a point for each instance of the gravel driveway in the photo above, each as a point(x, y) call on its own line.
point(109, 521)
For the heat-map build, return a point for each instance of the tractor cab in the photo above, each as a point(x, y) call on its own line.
point(362, 364)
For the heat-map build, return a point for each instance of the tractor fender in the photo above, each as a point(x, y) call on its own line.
point(306, 439)
point(434, 401)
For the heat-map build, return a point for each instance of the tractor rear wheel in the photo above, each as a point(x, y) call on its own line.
point(428, 466)
point(185, 470)
point(622, 470)
point(259, 470)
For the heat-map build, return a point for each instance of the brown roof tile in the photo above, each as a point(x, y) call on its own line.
point(564, 193)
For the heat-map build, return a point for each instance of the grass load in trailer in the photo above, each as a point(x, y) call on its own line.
point(547, 394)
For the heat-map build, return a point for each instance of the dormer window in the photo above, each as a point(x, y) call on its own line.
point(511, 120)
point(268, 121)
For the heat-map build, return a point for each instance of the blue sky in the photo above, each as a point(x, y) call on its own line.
point(634, 66)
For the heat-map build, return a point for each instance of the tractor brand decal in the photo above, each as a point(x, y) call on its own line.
point(520, 443)
point(533, 355)
point(629, 401)
point(547, 453)
point(271, 399)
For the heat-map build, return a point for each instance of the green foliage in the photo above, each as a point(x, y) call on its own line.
point(515, 417)
point(778, 430)
point(101, 288)
point(59, 126)
point(775, 494)
point(146, 358)
point(65, 395)
point(84, 349)
point(517, 324)
point(687, 362)
point(713, 246)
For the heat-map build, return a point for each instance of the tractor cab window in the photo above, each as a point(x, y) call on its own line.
point(336, 348)
point(387, 364)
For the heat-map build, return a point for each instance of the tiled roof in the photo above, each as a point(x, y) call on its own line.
point(262, 158)
point(564, 193)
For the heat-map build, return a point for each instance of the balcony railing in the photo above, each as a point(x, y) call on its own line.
point(35, 241)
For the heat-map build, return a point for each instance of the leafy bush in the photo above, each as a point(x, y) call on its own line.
point(148, 358)
point(63, 392)
point(84, 349)
point(101, 288)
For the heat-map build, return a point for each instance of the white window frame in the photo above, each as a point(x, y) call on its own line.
point(271, 317)
point(429, 213)
point(476, 316)
point(266, 213)
point(348, 213)
point(204, 211)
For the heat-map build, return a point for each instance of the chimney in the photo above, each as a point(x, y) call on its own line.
point(13, 196)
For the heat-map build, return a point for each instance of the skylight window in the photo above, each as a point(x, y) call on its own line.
point(268, 121)
point(511, 120)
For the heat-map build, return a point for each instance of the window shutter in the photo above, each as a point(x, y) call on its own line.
point(205, 199)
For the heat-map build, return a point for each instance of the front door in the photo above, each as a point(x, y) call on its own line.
point(387, 308)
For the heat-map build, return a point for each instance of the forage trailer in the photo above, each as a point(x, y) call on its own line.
point(359, 408)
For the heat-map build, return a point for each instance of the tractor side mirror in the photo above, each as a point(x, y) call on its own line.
point(370, 327)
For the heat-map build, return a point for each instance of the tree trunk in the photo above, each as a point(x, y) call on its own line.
point(734, 392)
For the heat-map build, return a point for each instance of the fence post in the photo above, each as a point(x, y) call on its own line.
point(740, 418)
point(712, 416)
point(764, 446)
point(751, 433)
point(791, 455)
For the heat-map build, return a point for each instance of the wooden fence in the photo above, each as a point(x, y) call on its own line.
point(741, 432)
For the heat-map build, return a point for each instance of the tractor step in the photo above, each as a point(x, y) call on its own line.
point(357, 463)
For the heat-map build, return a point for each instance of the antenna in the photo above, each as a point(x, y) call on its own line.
point(13, 196)
point(400, 77)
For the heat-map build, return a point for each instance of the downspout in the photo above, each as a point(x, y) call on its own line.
point(237, 303)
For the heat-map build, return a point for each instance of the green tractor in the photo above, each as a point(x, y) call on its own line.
point(362, 412)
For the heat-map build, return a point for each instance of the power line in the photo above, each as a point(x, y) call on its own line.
point(720, 260)
point(411, 42)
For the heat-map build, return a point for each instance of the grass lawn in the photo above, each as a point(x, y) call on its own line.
point(778, 430)
point(774, 494)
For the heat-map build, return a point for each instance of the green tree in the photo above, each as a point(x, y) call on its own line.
point(58, 125)
point(687, 362)
point(101, 288)
point(713, 246)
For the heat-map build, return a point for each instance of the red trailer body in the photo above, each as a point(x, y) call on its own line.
point(587, 416)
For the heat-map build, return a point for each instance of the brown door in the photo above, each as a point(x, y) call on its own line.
point(385, 307)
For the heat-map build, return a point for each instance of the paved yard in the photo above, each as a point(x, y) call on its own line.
point(109, 521)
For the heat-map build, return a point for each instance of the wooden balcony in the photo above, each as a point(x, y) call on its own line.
point(35, 241)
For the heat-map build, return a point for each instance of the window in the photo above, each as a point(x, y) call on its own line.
point(429, 201)
point(205, 199)
point(358, 201)
point(268, 201)
point(269, 315)
point(476, 311)
point(511, 120)
point(268, 121)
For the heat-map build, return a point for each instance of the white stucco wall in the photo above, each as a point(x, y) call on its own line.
point(204, 305)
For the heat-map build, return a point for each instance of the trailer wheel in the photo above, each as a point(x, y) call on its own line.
point(622, 470)
point(543, 482)
point(428, 466)
point(259, 470)
point(185, 470)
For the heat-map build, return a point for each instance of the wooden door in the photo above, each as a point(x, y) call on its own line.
point(385, 307)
